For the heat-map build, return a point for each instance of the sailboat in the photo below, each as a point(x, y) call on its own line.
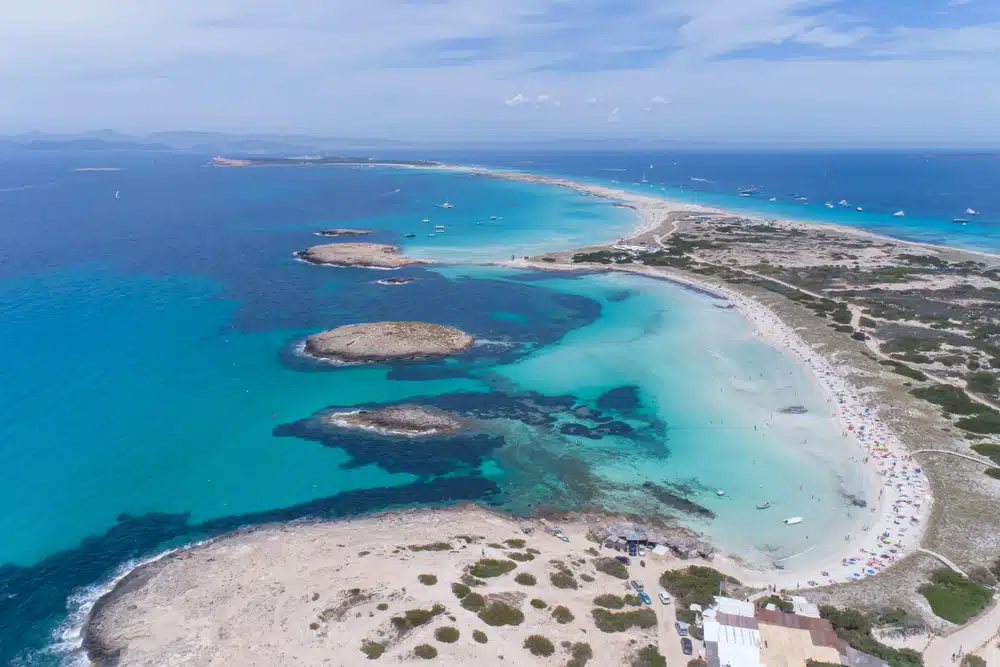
point(644, 178)
point(446, 204)
point(972, 211)
point(117, 194)
point(899, 214)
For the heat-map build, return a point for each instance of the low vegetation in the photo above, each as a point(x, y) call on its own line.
point(414, 618)
point(460, 590)
point(538, 604)
point(539, 645)
point(609, 621)
point(855, 628)
point(487, 568)
point(971, 660)
point(695, 585)
point(515, 543)
point(609, 601)
point(427, 579)
point(436, 546)
point(382, 606)
point(953, 597)
point(989, 450)
point(425, 651)
point(951, 399)
point(473, 602)
point(520, 556)
point(501, 613)
point(563, 579)
point(479, 637)
point(562, 615)
point(373, 650)
point(586, 577)
point(525, 579)
point(650, 657)
point(447, 635)
point(611, 567)
point(632, 600)
point(779, 602)
point(581, 653)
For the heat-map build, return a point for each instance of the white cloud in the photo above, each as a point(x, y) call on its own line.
point(833, 39)
point(542, 99)
point(614, 116)
point(516, 100)
point(955, 3)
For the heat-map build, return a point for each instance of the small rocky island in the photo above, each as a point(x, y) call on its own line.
point(395, 281)
point(369, 255)
point(410, 420)
point(387, 341)
point(344, 232)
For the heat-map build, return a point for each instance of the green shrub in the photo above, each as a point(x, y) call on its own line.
point(904, 370)
point(480, 637)
point(993, 472)
point(971, 660)
point(611, 567)
point(414, 618)
point(491, 567)
point(539, 645)
point(562, 615)
point(446, 635)
point(563, 579)
point(427, 579)
point(649, 657)
point(460, 590)
point(532, 550)
point(500, 613)
point(473, 602)
point(471, 581)
point(436, 546)
point(382, 606)
point(867, 322)
point(520, 556)
point(985, 423)
point(515, 543)
point(538, 604)
point(586, 577)
point(981, 382)
point(494, 545)
point(525, 579)
point(951, 399)
point(694, 585)
point(989, 450)
point(425, 651)
point(954, 597)
point(373, 650)
point(609, 621)
point(609, 601)
point(779, 602)
point(581, 653)
point(854, 627)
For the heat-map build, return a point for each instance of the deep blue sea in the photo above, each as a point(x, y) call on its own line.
point(151, 393)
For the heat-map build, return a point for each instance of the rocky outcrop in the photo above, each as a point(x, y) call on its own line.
point(387, 341)
point(398, 420)
point(370, 255)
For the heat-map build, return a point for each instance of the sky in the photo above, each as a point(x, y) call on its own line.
point(728, 72)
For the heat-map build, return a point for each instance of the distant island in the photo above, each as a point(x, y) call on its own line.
point(315, 160)
point(386, 341)
point(363, 255)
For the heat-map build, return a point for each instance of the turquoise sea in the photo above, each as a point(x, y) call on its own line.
point(151, 393)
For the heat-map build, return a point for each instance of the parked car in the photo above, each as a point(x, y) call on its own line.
point(642, 550)
point(682, 628)
point(633, 549)
point(664, 598)
point(637, 585)
point(624, 559)
point(645, 598)
point(686, 646)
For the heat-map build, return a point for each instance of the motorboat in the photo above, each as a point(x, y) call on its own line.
point(972, 211)
point(792, 521)
point(720, 492)
point(899, 214)
point(763, 506)
point(843, 202)
point(409, 236)
point(829, 205)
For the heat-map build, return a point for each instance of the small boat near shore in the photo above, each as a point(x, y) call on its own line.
point(899, 214)
point(763, 506)
point(720, 492)
point(792, 521)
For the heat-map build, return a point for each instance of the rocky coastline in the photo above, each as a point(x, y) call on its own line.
point(362, 255)
point(405, 420)
point(344, 232)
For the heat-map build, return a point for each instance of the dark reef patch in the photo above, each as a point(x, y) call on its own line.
point(677, 501)
point(794, 410)
point(625, 399)
point(34, 596)
point(621, 295)
point(597, 432)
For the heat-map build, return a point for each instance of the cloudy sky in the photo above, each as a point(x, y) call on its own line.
point(782, 72)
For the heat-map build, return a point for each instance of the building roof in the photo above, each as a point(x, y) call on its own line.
point(732, 646)
point(734, 607)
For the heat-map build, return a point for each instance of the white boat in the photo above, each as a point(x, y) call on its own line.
point(972, 211)
point(843, 202)
point(446, 204)
point(493, 217)
point(794, 520)
point(720, 492)
point(431, 234)
point(773, 199)
point(860, 209)
point(899, 214)
point(425, 220)
point(644, 178)
point(438, 226)
point(117, 194)
point(829, 205)
point(764, 505)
